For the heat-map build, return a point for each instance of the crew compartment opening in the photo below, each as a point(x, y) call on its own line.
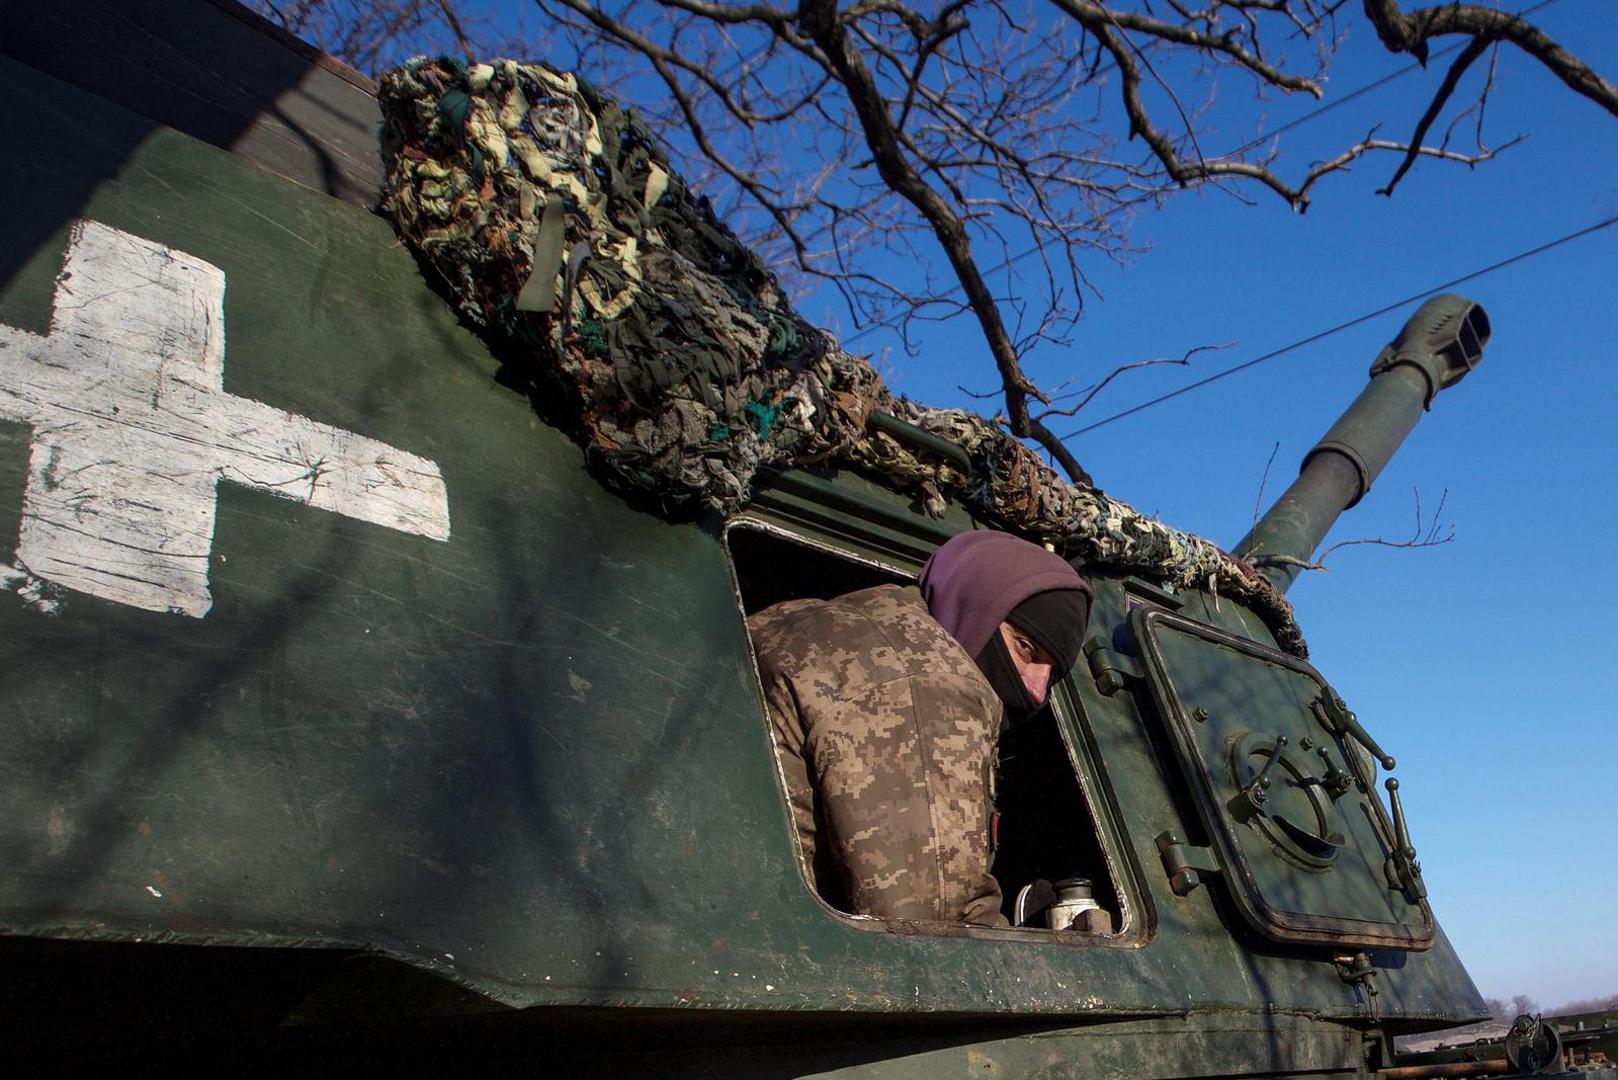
point(1044, 824)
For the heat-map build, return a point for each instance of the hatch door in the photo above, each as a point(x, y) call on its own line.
point(1284, 792)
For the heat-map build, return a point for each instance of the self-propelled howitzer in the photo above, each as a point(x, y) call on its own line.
point(350, 717)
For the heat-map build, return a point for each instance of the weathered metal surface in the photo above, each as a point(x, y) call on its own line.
point(1301, 837)
point(216, 71)
point(504, 730)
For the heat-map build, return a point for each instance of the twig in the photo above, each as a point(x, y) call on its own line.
point(1424, 536)
point(1182, 361)
point(1263, 480)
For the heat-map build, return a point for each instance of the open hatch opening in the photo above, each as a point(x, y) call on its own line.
point(771, 568)
point(1046, 828)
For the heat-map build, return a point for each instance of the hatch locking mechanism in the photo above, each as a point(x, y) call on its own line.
point(1335, 782)
point(1184, 864)
point(1337, 718)
point(1257, 793)
point(1402, 869)
point(1357, 971)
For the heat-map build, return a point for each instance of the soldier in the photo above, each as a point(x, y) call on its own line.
point(886, 705)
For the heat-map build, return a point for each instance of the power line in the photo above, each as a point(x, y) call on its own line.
point(1358, 92)
point(1357, 320)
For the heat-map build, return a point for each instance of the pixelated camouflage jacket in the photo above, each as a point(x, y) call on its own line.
point(885, 731)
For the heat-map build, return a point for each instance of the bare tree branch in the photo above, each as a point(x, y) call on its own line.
point(820, 20)
point(953, 127)
point(1433, 533)
point(1469, 55)
point(1410, 32)
point(1183, 360)
point(1092, 15)
point(454, 23)
point(1058, 450)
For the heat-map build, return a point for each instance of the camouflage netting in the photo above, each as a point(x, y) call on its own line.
point(562, 231)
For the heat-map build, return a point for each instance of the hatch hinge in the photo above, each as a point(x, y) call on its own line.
point(1357, 971)
point(1112, 670)
point(1184, 864)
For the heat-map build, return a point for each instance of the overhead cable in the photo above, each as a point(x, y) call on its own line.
point(1605, 223)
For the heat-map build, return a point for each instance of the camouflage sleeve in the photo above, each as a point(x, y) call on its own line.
point(903, 771)
point(885, 732)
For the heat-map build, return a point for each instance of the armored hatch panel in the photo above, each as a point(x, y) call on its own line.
point(1299, 833)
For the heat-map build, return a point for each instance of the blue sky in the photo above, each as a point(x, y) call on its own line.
point(1486, 665)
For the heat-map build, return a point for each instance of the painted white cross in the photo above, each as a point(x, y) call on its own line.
point(133, 431)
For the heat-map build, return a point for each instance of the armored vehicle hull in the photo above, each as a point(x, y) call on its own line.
point(348, 714)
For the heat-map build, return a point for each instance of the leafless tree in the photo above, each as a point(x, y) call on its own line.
point(967, 133)
point(1593, 1004)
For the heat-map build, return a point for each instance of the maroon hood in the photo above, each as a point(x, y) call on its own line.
point(974, 580)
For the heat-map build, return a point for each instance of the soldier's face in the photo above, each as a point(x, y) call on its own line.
point(1034, 665)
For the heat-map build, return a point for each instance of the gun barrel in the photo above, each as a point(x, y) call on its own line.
point(1443, 341)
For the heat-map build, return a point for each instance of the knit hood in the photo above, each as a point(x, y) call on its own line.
point(974, 580)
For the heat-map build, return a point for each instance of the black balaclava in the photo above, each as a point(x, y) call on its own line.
point(995, 663)
point(1055, 620)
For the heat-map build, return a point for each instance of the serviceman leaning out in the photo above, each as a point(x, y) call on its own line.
point(886, 705)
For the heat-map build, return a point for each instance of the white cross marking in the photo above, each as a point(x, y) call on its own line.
point(133, 431)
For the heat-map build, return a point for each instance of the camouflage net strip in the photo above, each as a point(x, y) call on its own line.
point(563, 232)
